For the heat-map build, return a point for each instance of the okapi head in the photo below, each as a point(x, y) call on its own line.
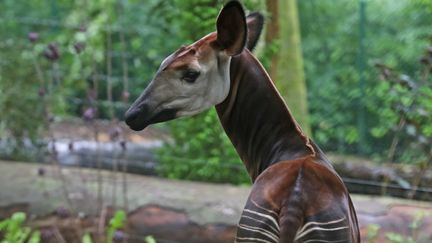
point(196, 77)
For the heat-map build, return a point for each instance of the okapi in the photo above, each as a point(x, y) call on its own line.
point(296, 195)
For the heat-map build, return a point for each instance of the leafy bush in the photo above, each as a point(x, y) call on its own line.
point(330, 41)
point(201, 151)
point(14, 231)
point(22, 116)
point(406, 112)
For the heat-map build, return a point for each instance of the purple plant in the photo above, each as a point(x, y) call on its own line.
point(33, 36)
point(62, 212)
point(47, 234)
point(118, 236)
point(89, 114)
point(79, 47)
point(52, 53)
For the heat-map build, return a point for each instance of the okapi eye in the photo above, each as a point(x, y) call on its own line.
point(190, 76)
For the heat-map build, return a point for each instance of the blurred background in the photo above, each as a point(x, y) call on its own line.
point(355, 74)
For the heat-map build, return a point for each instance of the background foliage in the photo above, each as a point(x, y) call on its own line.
point(397, 33)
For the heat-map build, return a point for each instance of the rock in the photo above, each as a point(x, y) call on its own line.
point(166, 224)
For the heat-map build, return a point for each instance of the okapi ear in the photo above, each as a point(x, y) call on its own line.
point(231, 28)
point(255, 24)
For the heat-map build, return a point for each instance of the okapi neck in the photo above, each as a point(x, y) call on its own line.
point(257, 120)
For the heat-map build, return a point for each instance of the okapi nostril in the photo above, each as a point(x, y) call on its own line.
point(135, 112)
point(131, 115)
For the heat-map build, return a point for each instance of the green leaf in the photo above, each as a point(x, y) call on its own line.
point(118, 219)
point(18, 217)
point(372, 231)
point(87, 238)
point(150, 239)
point(36, 237)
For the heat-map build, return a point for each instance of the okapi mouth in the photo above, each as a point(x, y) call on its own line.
point(139, 118)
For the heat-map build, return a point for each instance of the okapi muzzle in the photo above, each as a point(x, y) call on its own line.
point(143, 112)
point(138, 118)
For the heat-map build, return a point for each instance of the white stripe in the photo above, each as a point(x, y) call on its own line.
point(253, 240)
point(263, 208)
point(318, 228)
point(259, 230)
point(319, 223)
point(257, 220)
point(265, 216)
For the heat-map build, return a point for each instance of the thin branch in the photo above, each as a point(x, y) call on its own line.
point(395, 141)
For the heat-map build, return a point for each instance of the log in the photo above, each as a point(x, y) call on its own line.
point(399, 180)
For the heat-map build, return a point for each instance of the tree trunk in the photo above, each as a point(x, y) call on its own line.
point(286, 69)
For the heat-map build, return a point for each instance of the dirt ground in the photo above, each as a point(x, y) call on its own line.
point(154, 204)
